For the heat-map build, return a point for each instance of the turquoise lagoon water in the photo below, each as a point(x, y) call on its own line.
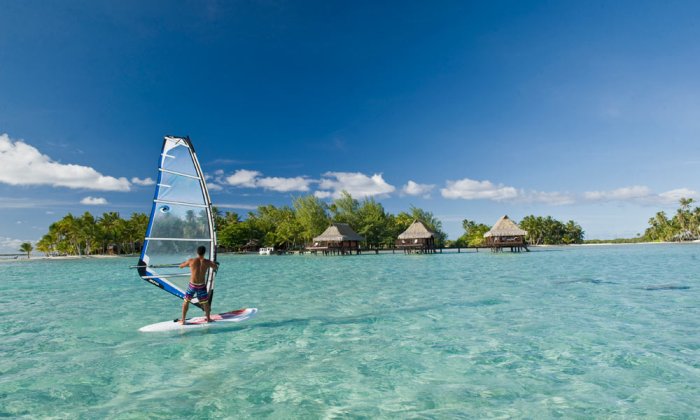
point(583, 332)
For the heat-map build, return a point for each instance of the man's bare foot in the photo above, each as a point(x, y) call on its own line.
point(210, 320)
point(183, 322)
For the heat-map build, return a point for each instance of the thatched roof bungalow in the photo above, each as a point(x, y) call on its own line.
point(416, 238)
point(339, 238)
point(251, 246)
point(506, 234)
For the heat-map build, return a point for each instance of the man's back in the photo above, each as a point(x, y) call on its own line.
point(198, 268)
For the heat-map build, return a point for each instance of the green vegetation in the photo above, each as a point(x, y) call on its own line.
point(294, 227)
point(615, 241)
point(548, 231)
point(282, 227)
point(683, 226)
point(87, 235)
point(26, 247)
point(287, 227)
point(473, 234)
point(540, 231)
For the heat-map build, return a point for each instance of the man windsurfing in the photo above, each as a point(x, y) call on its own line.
point(198, 284)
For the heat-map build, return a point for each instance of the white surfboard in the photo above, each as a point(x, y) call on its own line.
point(218, 320)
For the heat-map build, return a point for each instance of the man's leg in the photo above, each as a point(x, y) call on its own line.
point(203, 297)
point(207, 311)
point(185, 306)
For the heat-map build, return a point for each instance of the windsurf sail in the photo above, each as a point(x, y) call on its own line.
point(181, 220)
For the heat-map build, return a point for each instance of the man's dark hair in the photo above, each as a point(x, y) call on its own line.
point(201, 250)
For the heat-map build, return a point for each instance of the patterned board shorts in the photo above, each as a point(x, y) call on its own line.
point(197, 289)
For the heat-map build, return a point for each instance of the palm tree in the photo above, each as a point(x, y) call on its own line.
point(47, 243)
point(685, 219)
point(111, 226)
point(136, 227)
point(26, 247)
point(685, 203)
point(696, 221)
point(232, 217)
point(88, 231)
point(218, 215)
point(68, 232)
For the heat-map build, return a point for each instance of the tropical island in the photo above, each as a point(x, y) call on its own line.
point(291, 228)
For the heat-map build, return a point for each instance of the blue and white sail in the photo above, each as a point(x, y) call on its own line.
point(181, 220)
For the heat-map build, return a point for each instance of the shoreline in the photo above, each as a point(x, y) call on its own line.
point(64, 257)
point(635, 243)
point(383, 251)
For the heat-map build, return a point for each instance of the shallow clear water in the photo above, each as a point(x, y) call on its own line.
point(558, 332)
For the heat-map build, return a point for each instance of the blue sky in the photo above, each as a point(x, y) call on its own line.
point(585, 111)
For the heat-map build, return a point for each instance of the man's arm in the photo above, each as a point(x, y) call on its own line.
point(214, 265)
point(186, 263)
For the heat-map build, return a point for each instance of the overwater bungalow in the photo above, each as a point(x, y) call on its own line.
point(338, 239)
point(253, 245)
point(417, 238)
point(506, 234)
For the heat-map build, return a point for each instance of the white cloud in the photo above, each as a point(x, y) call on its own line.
point(641, 194)
point(555, 198)
point(414, 188)
point(22, 164)
point(625, 193)
point(143, 182)
point(243, 178)
point(673, 196)
point(322, 194)
point(214, 187)
point(355, 183)
point(284, 184)
point(93, 201)
point(469, 189)
point(253, 179)
point(10, 245)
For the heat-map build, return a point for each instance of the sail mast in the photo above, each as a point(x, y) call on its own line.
point(212, 228)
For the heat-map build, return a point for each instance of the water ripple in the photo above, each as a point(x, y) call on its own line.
point(572, 333)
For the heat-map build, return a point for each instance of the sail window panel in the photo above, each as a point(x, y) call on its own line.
point(163, 253)
point(174, 221)
point(178, 159)
point(160, 253)
point(180, 188)
point(179, 282)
